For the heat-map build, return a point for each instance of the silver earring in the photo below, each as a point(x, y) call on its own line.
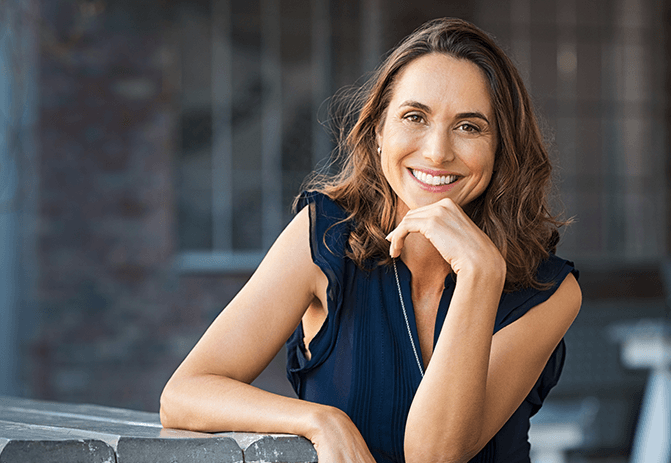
point(379, 150)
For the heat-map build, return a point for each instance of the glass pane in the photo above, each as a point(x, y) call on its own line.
point(247, 99)
point(247, 210)
point(193, 172)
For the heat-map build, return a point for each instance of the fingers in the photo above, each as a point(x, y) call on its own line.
point(432, 221)
point(408, 225)
point(337, 440)
point(451, 232)
point(350, 450)
point(344, 455)
point(396, 239)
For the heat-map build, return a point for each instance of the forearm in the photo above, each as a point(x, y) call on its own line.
point(213, 403)
point(217, 403)
point(448, 408)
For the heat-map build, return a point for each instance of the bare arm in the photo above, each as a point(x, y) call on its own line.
point(461, 412)
point(475, 381)
point(210, 390)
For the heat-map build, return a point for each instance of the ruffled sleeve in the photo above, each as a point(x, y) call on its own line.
point(329, 231)
point(514, 305)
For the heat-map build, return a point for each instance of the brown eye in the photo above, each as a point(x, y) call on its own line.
point(414, 118)
point(468, 127)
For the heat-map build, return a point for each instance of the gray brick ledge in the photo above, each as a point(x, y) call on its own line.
point(274, 447)
point(38, 444)
point(32, 431)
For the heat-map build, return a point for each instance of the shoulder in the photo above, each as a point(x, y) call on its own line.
point(564, 289)
point(291, 250)
point(554, 270)
point(329, 226)
point(563, 277)
point(560, 277)
point(321, 206)
point(547, 317)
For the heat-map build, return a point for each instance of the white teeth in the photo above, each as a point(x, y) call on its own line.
point(431, 180)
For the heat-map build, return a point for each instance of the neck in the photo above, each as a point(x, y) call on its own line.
point(427, 266)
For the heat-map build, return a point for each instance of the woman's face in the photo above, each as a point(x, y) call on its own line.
point(439, 134)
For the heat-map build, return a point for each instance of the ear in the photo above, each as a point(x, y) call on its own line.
point(378, 138)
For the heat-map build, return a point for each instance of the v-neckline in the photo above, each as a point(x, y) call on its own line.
point(405, 277)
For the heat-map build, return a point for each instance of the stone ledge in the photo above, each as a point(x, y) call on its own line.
point(274, 447)
point(36, 431)
point(33, 444)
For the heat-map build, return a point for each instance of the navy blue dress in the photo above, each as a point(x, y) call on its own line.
point(362, 360)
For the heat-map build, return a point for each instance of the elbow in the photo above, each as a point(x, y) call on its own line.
point(164, 412)
point(169, 413)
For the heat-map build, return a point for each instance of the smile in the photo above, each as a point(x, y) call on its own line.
point(437, 180)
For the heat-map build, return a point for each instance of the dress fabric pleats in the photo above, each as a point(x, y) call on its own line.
point(362, 360)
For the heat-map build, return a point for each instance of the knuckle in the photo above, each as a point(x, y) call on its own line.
point(450, 204)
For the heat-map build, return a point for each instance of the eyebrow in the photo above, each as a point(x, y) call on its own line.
point(425, 108)
point(416, 104)
point(473, 114)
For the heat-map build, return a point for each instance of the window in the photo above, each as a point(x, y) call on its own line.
point(596, 73)
point(255, 77)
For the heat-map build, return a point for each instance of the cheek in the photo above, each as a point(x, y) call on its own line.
point(479, 160)
point(487, 158)
point(484, 165)
point(387, 168)
point(394, 145)
point(489, 169)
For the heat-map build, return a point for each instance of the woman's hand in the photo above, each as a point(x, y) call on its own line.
point(454, 235)
point(336, 439)
point(474, 381)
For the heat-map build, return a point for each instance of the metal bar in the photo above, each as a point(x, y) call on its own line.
point(520, 37)
point(321, 76)
point(195, 262)
point(18, 117)
point(271, 144)
point(222, 133)
point(371, 35)
point(567, 115)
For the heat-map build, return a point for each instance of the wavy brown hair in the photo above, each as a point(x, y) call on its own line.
point(513, 210)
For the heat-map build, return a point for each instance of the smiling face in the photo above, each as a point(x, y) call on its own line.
point(438, 138)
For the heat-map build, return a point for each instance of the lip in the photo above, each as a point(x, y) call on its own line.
point(434, 188)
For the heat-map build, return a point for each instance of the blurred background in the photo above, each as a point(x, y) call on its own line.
point(150, 151)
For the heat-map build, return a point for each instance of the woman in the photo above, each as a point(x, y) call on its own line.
point(390, 281)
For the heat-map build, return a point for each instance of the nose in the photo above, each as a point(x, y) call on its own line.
point(439, 146)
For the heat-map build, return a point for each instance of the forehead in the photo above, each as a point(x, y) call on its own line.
point(438, 79)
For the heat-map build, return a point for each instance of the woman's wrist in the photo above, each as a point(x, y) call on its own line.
point(321, 417)
point(492, 271)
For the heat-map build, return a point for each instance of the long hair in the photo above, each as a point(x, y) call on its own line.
point(513, 210)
